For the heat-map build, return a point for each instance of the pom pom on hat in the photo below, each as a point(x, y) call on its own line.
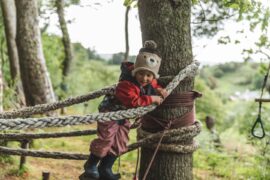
point(150, 44)
point(148, 59)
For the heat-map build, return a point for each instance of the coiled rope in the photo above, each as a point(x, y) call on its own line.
point(174, 140)
point(19, 123)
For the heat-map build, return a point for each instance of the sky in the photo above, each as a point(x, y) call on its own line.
point(101, 27)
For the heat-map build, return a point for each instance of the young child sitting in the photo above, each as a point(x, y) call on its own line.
point(137, 86)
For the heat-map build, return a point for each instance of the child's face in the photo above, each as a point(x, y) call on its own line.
point(144, 77)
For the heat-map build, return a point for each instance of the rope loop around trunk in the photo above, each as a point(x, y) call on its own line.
point(179, 140)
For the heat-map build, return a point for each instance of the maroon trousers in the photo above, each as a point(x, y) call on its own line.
point(112, 138)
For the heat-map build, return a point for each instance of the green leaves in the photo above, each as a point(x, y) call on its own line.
point(224, 40)
point(263, 41)
point(265, 20)
point(242, 5)
point(130, 3)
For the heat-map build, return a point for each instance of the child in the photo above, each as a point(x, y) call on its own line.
point(137, 87)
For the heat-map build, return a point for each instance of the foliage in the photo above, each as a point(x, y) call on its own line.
point(117, 58)
point(233, 76)
point(229, 165)
point(130, 3)
point(90, 76)
point(248, 118)
point(84, 54)
point(6, 159)
point(54, 55)
point(210, 104)
point(209, 16)
point(92, 54)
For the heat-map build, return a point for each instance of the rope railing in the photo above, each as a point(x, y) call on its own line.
point(182, 134)
point(41, 108)
point(42, 154)
point(6, 124)
point(29, 136)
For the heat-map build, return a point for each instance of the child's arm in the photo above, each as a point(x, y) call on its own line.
point(129, 95)
point(159, 89)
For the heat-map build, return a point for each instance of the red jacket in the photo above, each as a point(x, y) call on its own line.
point(129, 94)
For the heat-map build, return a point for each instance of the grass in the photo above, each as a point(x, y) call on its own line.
point(236, 160)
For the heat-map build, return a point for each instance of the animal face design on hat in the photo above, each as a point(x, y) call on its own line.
point(151, 62)
point(147, 61)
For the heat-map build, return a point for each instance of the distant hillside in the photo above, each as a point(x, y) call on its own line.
point(229, 78)
point(106, 57)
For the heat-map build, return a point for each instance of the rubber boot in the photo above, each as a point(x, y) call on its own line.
point(105, 168)
point(90, 168)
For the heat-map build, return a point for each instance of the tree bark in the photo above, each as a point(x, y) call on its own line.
point(168, 24)
point(126, 34)
point(35, 76)
point(9, 18)
point(1, 83)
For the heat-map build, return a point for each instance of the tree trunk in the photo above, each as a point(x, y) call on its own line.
point(67, 46)
point(2, 142)
point(1, 83)
point(35, 76)
point(66, 40)
point(9, 17)
point(168, 24)
point(126, 34)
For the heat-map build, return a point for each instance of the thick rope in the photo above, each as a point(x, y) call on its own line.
point(23, 136)
point(6, 124)
point(41, 108)
point(182, 133)
point(29, 136)
point(174, 140)
point(43, 154)
point(172, 135)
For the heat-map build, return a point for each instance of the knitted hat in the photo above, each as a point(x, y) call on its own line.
point(148, 59)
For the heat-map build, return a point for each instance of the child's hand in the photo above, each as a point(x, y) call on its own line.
point(157, 99)
point(162, 92)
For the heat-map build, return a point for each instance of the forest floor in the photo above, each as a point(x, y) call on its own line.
point(71, 169)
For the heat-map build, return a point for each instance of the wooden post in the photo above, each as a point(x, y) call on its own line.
point(262, 100)
point(45, 175)
point(24, 145)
